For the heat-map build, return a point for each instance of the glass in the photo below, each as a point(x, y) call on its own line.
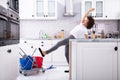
point(51, 8)
point(40, 8)
point(88, 5)
point(99, 9)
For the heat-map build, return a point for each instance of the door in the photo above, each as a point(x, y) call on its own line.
point(96, 61)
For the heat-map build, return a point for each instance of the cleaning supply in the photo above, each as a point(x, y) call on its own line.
point(62, 34)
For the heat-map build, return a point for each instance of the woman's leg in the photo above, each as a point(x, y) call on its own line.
point(60, 43)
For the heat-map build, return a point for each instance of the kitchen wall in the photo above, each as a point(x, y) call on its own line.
point(31, 28)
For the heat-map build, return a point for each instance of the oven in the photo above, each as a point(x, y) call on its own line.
point(13, 30)
point(3, 27)
point(9, 27)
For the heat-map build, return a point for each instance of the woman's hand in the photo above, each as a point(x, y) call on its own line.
point(92, 9)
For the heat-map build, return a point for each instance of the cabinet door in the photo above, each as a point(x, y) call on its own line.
point(52, 8)
point(48, 58)
point(98, 5)
point(96, 61)
point(86, 5)
point(39, 10)
point(26, 9)
point(112, 9)
point(58, 56)
point(30, 45)
point(45, 9)
point(99, 8)
point(9, 62)
point(118, 60)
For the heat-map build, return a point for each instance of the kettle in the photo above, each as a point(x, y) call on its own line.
point(108, 35)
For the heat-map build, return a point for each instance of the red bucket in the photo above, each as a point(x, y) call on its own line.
point(37, 62)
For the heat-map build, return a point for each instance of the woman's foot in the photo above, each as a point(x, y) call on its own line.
point(43, 53)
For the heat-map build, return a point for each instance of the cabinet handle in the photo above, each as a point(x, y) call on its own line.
point(42, 45)
point(11, 15)
point(31, 46)
point(8, 3)
point(116, 48)
point(25, 41)
point(106, 16)
point(9, 50)
point(42, 42)
point(32, 15)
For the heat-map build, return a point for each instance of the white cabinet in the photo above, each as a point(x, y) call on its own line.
point(26, 9)
point(45, 9)
point(3, 3)
point(97, 4)
point(112, 9)
point(118, 60)
point(56, 57)
point(104, 9)
point(38, 9)
point(28, 46)
point(9, 62)
point(94, 61)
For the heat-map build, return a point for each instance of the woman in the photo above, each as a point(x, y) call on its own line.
point(80, 31)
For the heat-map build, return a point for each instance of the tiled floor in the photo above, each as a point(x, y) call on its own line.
point(52, 74)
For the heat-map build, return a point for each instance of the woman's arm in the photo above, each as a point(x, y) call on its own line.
point(86, 14)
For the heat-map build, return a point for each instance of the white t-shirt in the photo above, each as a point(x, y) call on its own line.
point(79, 31)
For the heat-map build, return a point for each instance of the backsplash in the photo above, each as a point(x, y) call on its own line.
point(31, 29)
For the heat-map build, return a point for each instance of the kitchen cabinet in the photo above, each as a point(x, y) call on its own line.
point(45, 9)
point(56, 57)
point(97, 4)
point(38, 9)
point(112, 9)
point(9, 62)
point(104, 9)
point(29, 46)
point(26, 9)
point(118, 60)
point(93, 61)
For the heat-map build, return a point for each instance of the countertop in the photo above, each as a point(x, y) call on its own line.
point(81, 40)
point(37, 39)
point(96, 40)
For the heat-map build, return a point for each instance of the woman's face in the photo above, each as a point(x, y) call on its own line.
point(85, 21)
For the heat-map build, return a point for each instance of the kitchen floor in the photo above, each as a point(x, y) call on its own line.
point(51, 74)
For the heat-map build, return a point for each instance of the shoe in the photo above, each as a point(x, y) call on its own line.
point(41, 52)
point(66, 71)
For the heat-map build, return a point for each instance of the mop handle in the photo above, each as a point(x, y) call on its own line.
point(22, 51)
point(34, 51)
point(20, 54)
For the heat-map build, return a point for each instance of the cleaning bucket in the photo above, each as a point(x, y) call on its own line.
point(37, 62)
point(26, 63)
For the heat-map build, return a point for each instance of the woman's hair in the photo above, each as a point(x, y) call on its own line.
point(91, 22)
